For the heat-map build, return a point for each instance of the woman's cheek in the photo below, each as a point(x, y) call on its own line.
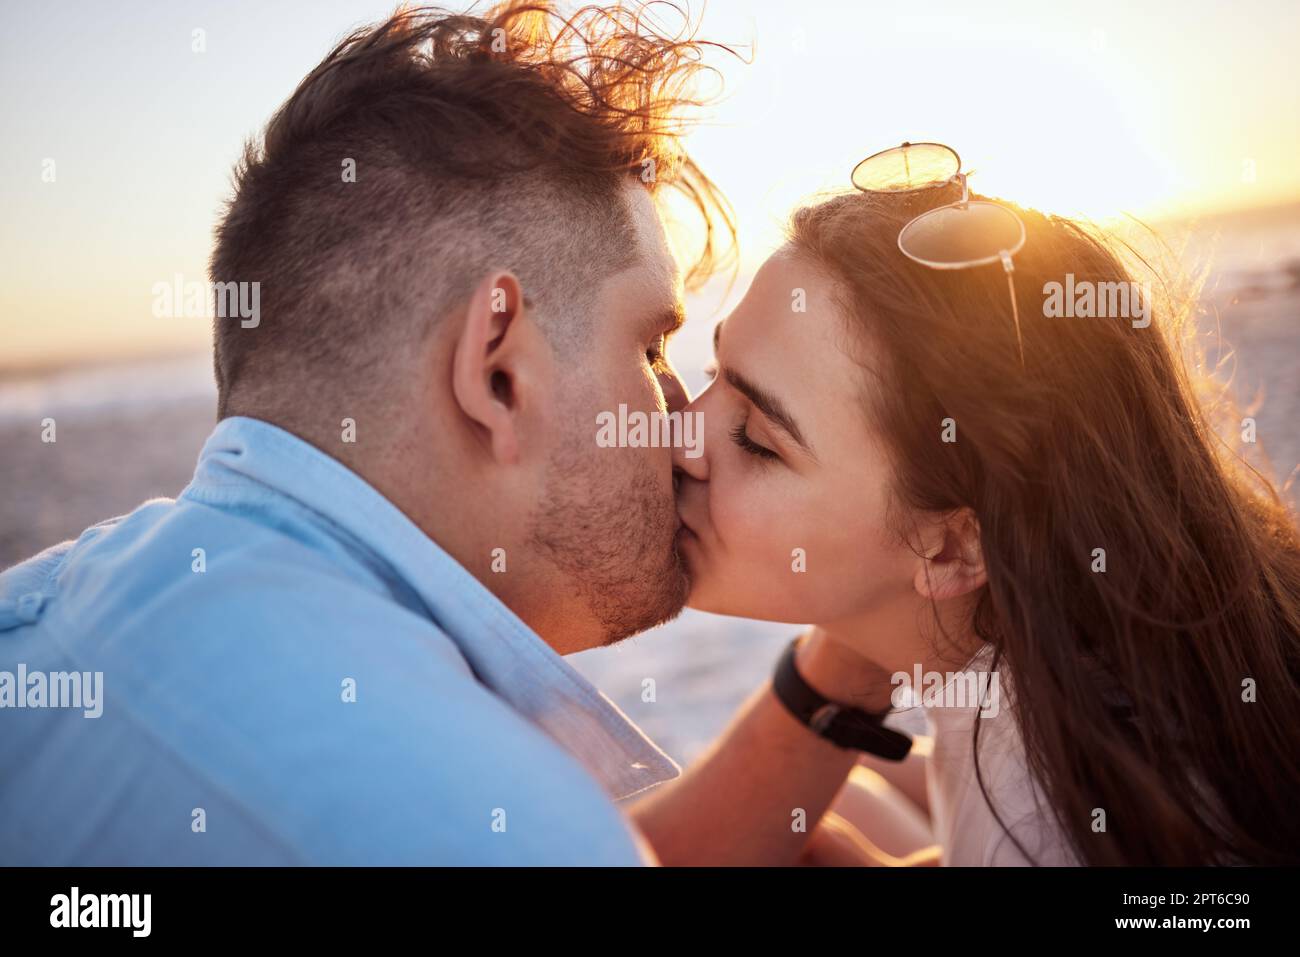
point(741, 506)
point(727, 513)
point(773, 539)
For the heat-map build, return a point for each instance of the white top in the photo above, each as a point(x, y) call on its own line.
point(963, 823)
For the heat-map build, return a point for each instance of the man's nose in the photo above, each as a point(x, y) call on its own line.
point(676, 395)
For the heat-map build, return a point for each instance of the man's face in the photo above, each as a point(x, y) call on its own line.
point(607, 518)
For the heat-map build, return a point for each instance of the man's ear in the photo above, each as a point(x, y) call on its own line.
point(952, 560)
point(483, 369)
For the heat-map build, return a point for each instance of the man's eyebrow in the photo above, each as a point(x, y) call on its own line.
point(763, 400)
point(664, 322)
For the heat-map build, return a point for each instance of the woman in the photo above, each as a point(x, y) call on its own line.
point(893, 454)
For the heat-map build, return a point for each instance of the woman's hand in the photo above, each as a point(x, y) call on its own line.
point(842, 674)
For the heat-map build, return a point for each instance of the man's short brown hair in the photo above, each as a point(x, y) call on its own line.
point(501, 141)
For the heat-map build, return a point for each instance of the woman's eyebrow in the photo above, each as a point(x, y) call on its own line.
point(764, 401)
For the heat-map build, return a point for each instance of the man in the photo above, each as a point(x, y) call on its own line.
point(343, 641)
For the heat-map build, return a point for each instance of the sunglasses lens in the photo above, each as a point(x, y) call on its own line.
point(967, 235)
point(914, 166)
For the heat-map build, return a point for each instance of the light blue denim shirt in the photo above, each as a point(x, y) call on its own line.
point(320, 684)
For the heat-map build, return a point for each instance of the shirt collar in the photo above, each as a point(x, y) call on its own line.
point(506, 655)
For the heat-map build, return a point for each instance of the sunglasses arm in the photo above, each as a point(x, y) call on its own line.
point(1009, 268)
point(960, 179)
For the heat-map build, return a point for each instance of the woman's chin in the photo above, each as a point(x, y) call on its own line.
point(701, 597)
point(707, 595)
point(697, 597)
point(704, 596)
point(714, 593)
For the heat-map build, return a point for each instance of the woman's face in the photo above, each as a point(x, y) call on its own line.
point(785, 509)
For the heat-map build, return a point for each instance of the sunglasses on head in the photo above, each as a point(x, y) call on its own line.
point(960, 235)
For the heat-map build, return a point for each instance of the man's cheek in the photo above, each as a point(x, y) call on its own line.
point(661, 460)
point(652, 393)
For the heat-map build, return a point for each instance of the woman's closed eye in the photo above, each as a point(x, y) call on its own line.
point(741, 438)
point(739, 435)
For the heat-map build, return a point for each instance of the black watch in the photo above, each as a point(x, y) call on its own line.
point(850, 728)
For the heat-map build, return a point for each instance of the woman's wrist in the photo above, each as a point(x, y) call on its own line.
point(840, 674)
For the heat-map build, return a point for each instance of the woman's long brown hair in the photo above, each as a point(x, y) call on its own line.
point(1164, 691)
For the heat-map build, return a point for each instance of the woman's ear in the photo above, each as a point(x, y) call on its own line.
point(952, 559)
point(483, 374)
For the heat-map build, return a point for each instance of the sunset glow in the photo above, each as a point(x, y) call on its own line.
point(1087, 108)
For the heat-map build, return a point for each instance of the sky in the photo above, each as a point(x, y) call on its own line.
point(119, 136)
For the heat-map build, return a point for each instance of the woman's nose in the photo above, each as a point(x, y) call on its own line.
point(689, 457)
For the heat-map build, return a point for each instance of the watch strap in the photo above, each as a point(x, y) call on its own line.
point(842, 725)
